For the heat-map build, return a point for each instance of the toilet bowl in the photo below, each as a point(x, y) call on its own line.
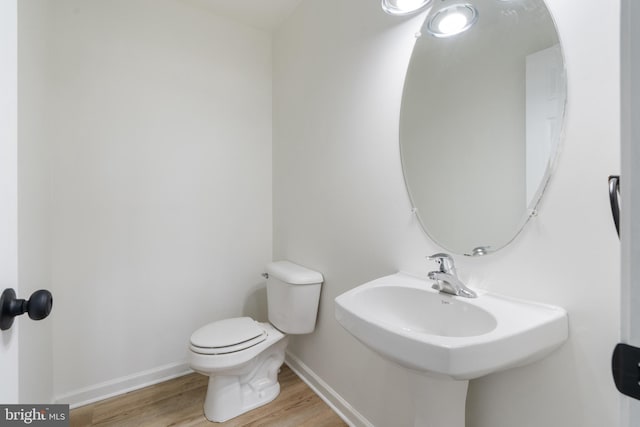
point(241, 356)
point(242, 376)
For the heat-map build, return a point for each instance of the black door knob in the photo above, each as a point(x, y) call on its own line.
point(38, 306)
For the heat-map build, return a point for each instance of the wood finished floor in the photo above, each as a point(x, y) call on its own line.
point(179, 403)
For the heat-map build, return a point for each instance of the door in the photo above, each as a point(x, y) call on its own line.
point(545, 90)
point(630, 187)
point(8, 189)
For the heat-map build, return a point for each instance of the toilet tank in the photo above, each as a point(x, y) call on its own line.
point(293, 294)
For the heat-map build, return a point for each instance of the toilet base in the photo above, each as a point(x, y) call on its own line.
point(229, 396)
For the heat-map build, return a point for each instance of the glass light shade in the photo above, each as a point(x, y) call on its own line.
point(452, 20)
point(404, 7)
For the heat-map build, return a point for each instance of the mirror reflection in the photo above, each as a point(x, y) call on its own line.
point(480, 123)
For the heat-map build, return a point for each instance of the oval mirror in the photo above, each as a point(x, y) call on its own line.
point(480, 122)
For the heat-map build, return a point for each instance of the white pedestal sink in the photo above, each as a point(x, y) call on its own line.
point(449, 339)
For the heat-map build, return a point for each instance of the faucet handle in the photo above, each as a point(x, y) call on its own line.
point(445, 261)
point(438, 284)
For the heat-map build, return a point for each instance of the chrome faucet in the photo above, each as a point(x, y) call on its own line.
point(446, 278)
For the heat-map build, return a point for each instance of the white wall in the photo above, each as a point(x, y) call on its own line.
point(340, 207)
point(159, 129)
point(9, 386)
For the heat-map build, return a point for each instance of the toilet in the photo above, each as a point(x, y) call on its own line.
point(241, 356)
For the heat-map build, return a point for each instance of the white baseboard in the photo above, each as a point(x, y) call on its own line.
point(326, 393)
point(107, 389)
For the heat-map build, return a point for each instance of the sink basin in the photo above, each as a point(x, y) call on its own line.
point(403, 319)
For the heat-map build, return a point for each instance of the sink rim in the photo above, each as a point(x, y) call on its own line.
point(435, 295)
point(484, 297)
point(516, 340)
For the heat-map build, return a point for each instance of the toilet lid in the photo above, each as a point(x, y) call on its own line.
point(228, 336)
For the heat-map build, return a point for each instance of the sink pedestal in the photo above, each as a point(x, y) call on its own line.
point(438, 401)
point(441, 337)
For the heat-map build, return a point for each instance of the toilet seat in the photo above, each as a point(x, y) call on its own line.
point(227, 336)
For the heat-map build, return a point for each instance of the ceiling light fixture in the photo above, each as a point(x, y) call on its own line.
point(404, 7)
point(452, 20)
